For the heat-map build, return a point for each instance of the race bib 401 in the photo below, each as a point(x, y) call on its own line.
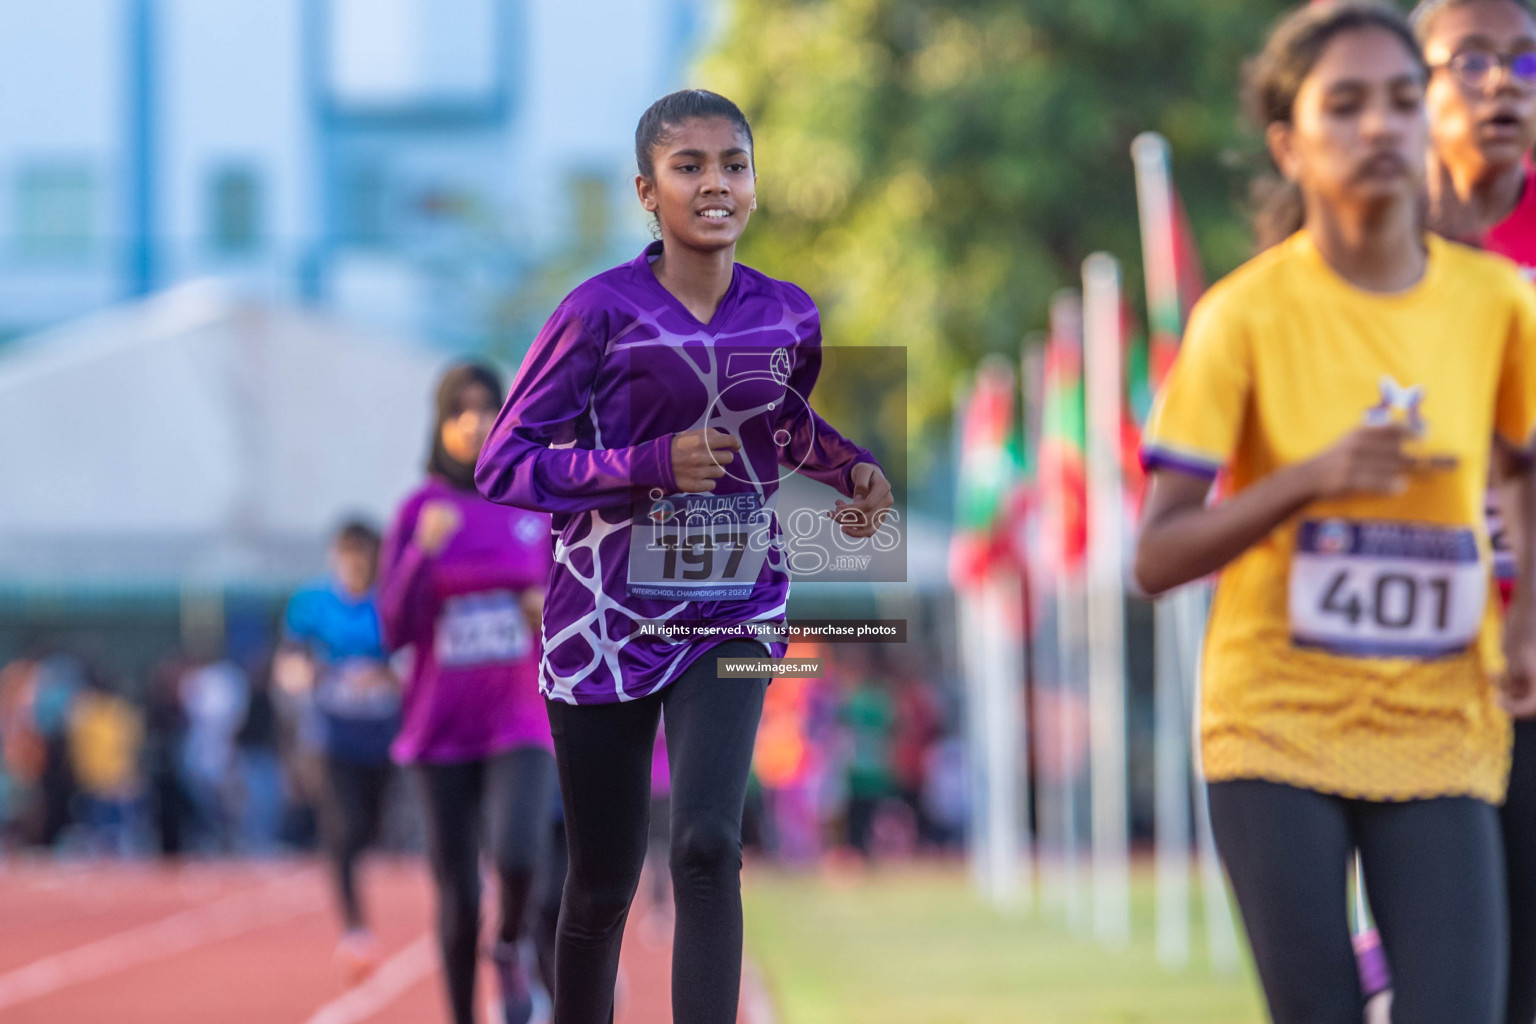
point(699, 547)
point(1382, 589)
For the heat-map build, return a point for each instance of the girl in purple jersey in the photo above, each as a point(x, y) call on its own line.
point(670, 390)
point(462, 586)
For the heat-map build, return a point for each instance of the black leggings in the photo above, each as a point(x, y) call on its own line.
point(515, 793)
point(604, 754)
point(1434, 877)
point(1518, 819)
point(354, 805)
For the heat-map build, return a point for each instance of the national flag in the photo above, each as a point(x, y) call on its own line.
point(1063, 440)
point(990, 475)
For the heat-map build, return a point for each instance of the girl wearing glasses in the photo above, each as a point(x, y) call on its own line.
point(1346, 382)
point(1481, 100)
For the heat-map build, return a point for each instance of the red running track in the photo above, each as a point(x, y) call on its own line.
point(244, 943)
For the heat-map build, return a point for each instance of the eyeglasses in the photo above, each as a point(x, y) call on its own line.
point(1473, 68)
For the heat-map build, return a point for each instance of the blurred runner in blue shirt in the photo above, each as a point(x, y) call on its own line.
point(333, 624)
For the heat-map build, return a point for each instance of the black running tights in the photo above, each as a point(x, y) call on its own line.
point(604, 756)
point(354, 806)
point(1434, 877)
point(515, 793)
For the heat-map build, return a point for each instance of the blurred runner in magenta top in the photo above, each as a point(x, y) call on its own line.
point(462, 587)
point(473, 686)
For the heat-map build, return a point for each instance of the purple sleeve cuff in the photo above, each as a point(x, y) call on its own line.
point(1153, 458)
point(660, 458)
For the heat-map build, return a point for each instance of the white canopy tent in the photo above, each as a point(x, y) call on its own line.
point(197, 439)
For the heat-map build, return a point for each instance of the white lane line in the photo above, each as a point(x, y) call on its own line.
point(187, 929)
point(393, 979)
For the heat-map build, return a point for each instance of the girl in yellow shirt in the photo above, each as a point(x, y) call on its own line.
point(1346, 383)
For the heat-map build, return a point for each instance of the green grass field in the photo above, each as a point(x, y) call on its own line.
point(917, 946)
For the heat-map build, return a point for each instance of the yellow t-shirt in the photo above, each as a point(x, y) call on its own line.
point(1351, 650)
point(105, 734)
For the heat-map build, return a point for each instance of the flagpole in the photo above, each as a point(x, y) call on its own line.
point(975, 726)
point(990, 628)
point(1170, 745)
point(1179, 627)
point(1105, 394)
point(1040, 841)
point(1001, 676)
point(1059, 492)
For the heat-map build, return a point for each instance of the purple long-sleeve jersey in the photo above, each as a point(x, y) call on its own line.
point(586, 434)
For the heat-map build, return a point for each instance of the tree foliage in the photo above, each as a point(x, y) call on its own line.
point(933, 171)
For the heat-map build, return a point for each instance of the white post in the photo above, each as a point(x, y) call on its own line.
point(972, 661)
point(1105, 397)
point(969, 659)
point(1069, 661)
point(1221, 934)
point(1001, 679)
point(1043, 845)
point(1171, 807)
point(1063, 369)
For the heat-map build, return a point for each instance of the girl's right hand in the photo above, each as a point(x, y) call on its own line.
point(1370, 460)
point(1450, 215)
point(699, 458)
point(436, 525)
point(293, 670)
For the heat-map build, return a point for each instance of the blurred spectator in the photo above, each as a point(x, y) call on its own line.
point(785, 764)
point(60, 677)
point(165, 727)
point(915, 729)
point(868, 717)
point(946, 796)
point(106, 736)
point(22, 751)
point(260, 769)
point(214, 696)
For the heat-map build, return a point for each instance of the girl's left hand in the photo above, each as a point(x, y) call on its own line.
point(871, 498)
point(1517, 687)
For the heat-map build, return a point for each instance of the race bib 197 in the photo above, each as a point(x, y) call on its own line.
point(474, 629)
point(1385, 589)
point(699, 547)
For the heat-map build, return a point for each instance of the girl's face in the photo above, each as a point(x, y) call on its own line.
point(1357, 135)
point(1482, 92)
point(464, 435)
point(704, 190)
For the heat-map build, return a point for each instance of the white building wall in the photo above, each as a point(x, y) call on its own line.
point(230, 88)
point(233, 95)
point(62, 104)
